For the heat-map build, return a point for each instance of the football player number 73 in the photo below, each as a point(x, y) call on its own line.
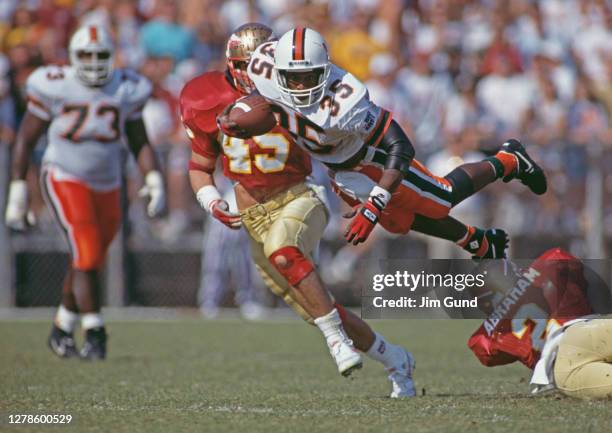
point(106, 126)
point(238, 153)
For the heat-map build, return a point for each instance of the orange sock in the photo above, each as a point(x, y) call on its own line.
point(509, 162)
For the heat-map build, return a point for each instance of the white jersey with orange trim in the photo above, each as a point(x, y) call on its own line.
point(336, 128)
point(86, 130)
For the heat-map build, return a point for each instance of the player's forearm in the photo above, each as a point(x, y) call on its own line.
point(147, 162)
point(21, 158)
point(390, 179)
point(200, 179)
point(139, 145)
point(29, 132)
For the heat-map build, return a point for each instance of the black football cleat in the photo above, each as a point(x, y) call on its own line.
point(528, 172)
point(62, 343)
point(94, 348)
point(497, 240)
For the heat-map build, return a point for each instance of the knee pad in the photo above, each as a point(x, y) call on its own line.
point(291, 264)
point(462, 184)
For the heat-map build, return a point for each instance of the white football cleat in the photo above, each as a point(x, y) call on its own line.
point(346, 357)
point(401, 377)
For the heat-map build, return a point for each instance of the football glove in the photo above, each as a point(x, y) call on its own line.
point(220, 210)
point(154, 189)
point(16, 215)
point(363, 223)
point(367, 217)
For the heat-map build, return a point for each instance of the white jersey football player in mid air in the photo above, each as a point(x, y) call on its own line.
point(328, 112)
point(86, 110)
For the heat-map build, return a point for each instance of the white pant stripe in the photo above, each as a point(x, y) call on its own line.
point(56, 204)
point(426, 194)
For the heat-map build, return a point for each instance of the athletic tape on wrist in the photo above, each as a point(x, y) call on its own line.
point(18, 191)
point(380, 197)
point(207, 195)
point(154, 179)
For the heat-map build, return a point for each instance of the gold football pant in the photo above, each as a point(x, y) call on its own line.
point(583, 368)
point(296, 218)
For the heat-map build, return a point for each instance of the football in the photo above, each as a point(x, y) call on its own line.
point(253, 114)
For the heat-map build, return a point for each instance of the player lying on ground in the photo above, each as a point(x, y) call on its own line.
point(328, 112)
point(544, 317)
point(283, 215)
point(85, 109)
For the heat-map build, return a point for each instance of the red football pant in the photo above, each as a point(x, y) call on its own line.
point(89, 219)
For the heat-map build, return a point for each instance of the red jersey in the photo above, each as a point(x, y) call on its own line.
point(267, 160)
point(549, 293)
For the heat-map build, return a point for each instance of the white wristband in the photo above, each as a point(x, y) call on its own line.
point(154, 179)
point(18, 193)
point(381, 194)
point(207, 195)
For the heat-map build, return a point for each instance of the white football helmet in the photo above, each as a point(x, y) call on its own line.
point(92, 53)
point(301, 66)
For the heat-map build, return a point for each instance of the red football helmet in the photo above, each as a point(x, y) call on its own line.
point(240, 45)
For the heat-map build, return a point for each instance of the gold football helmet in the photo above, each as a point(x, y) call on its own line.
point(240, 45)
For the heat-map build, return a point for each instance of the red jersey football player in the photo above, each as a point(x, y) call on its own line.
point(282, 214)
point(542, 318)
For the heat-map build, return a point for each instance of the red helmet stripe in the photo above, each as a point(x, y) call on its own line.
point(93, 34)
point(298, 43)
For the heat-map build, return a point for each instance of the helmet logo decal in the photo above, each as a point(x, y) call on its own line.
point(298, 43)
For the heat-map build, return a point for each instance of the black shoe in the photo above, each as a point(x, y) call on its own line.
point(62, 343)
point(94, 347)
point(528, 172)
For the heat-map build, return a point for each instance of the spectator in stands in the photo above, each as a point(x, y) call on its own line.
point(452, 72)
point(163, 36)
point(427, 94)
point(549, 61)
point(544, 121)
point(587, 119)
point(8, 122)
point(505, 94)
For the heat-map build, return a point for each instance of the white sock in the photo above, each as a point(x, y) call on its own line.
point(331, 327)
point(91, 320)
point(65, 319)
point(384, 352)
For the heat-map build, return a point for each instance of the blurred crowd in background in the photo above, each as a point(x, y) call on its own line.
point(460, 76)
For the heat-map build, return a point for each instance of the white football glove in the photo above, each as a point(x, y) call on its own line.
point(17, 216)
point(154, 189)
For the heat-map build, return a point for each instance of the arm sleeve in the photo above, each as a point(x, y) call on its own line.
point(400, 151)
point(141, 89)
point(40, 99)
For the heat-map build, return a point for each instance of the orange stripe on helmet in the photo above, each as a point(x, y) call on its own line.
point(298, 43)
point(93, 34)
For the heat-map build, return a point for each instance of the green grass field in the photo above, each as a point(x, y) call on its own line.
point(232, 376)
